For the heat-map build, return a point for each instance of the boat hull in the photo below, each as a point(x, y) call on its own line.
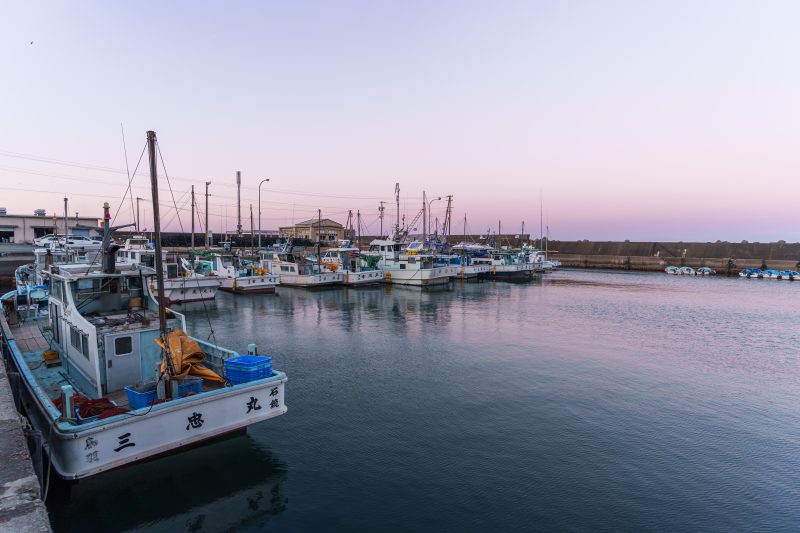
point(366, 277)
point(250, 284)
point(187, 290)
point(312, 280)
point(520, 272)
point(78, 451)
point(421, 278)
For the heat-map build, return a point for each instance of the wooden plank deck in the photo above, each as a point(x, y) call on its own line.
point(30, 339)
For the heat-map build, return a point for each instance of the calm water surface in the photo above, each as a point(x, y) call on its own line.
point(589, 401)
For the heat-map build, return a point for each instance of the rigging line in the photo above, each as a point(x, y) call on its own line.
point(128, 170)
point(166, 175)
point(111, 224)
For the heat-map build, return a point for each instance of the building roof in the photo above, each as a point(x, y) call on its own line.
point(323, 222)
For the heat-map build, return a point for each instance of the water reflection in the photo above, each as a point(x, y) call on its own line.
point(222, 485)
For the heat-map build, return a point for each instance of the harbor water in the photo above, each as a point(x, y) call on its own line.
point(587, 401)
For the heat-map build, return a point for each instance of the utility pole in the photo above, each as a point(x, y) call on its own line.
point(207, 184)
point(193, 218)
point(499, 232)
point(66, 228)
point(448, 217)
point(319, 225)
point(522, 235)
point(238, 203)
point(380, 215)
point(358, 217)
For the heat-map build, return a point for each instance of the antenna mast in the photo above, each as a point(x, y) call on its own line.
point(381, 209)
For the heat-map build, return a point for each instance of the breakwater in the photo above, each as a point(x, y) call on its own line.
point(724, 257)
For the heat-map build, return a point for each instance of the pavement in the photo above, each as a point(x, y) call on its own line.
point(21, 507)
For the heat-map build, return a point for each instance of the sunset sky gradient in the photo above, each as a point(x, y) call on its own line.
point(631, 120)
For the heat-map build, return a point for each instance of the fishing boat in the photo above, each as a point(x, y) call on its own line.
point(298, 271)
point(237, 275)
point(409, 267)
point(505, 265)
point(109, 377)
point(180, 286)
point(672, 270)
point(467, 269)
point(357, 269)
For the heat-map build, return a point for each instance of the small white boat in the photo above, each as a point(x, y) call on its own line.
point(505, 266)
point(686, 271)
point(705, 271)
point(672, 270)
point(237, 275)
point(297, 271)
point(407, 267)
point(356, 269)
point(180, 286)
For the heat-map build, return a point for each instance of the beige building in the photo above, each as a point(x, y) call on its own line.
point(327, 229)
point(24, 228)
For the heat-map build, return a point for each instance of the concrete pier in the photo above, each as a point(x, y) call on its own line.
point(21, 507)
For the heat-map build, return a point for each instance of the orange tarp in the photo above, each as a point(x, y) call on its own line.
point(186, 357)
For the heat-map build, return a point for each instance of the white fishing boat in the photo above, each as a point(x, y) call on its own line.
point(109, 377)
point(236, 274)
point(358, 270)
point(407, 267)
point(180, 286)
point(298, 271)
point(505, 265)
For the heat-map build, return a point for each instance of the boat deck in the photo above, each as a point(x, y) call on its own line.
point(33, 340)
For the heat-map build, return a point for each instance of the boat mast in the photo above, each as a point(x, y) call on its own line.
point(207, 184)
point(358, 218)
point(192, 220)
point(162, 309)
point(238, 203)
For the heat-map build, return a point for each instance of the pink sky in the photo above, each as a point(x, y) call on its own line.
point(631, 120)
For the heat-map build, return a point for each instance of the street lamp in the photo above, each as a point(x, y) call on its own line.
point(429, 214)
point(259, 209)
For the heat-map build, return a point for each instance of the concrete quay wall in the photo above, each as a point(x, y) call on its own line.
point(21, 507)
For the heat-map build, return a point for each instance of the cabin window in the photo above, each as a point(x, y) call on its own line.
point(285, 268)
point(412, 260)
point(402, 266)
point(75, 337)
point(172, 271)
point(123, 345)
point(85, 345)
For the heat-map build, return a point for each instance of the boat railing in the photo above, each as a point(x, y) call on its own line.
point(215, 355)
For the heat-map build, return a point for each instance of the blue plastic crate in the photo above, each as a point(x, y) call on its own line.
point(189, 384)
point(137, 399)
point(246, 368)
